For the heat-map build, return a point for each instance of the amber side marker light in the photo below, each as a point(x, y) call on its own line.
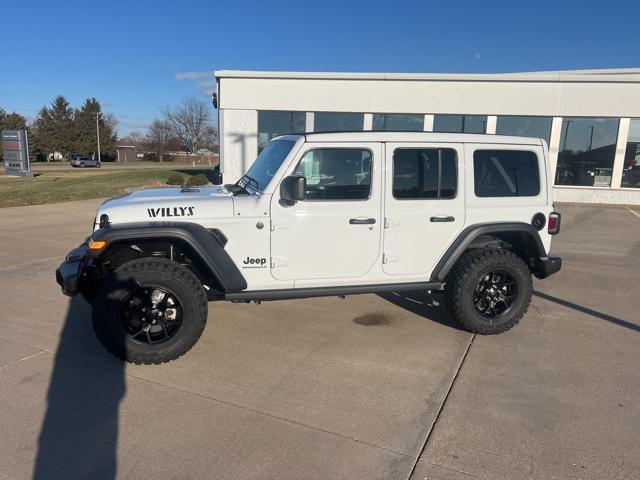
point(97, 244)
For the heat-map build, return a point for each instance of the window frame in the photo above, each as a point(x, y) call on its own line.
point(456, 163)
point(313, 149)
point(507, 148)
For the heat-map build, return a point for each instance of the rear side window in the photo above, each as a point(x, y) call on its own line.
point(424, 173)
point(506, 173)
point(336, 173)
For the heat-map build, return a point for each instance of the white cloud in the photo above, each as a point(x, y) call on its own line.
point(193, 75)
point(207, 87)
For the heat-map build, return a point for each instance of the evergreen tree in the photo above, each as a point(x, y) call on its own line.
point(53, 128)
point(85, 138)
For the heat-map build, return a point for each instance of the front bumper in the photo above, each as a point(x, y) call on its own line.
point(69, 272)
point(546, 266)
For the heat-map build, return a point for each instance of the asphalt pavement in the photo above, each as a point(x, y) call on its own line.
point(366, 387)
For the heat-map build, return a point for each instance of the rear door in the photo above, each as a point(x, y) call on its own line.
point(424, 205)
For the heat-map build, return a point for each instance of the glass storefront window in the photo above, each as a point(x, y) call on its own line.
point(537, 127)
point(587, 150)
point(274, 123)
point(338, 122)
point(398, 122)
point(460, 123)
point(631, 168)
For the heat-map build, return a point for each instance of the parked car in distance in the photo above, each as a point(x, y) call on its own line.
point(82, 162)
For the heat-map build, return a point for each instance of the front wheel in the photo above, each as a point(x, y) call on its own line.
point(149, 310)
point(489, 290)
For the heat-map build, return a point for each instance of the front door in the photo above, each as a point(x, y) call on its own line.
point(336, 231)
point(424, 205)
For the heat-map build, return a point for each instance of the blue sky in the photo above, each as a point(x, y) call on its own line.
point(139, 56)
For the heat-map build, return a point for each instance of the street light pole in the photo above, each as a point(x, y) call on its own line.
point(98, 135)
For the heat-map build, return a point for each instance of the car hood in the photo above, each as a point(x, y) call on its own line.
point(169, 204)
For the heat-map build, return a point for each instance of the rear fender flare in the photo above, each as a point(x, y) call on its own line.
point(527, 240)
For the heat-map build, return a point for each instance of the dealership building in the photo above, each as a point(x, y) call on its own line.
point(589, 118)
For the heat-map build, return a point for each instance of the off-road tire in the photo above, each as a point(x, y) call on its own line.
point(463, 279)
point(153, 272)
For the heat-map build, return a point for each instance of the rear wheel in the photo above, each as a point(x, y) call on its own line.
point(489, 290)
point(150, 310)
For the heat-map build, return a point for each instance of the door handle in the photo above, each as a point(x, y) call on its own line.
point(362, 221)
point(442, 218)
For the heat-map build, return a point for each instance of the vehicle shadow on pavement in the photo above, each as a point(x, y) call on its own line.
point(588, 311)
point(428, 305)
point(79, 433)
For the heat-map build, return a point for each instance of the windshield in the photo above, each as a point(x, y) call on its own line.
point(268, 162)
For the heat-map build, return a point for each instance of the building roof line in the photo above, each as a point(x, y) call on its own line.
point(604, 75)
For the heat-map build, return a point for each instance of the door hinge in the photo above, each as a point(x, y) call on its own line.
point(389, 258)
point(279, 262)
point(278, 225)
point(388, 223)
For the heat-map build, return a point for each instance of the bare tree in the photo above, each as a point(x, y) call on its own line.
point(190, 121)
point(159, 137)
point(135, 138)
point(111, 122)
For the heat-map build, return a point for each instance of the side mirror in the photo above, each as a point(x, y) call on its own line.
point(293, 188)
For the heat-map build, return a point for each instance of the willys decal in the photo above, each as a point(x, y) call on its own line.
point(170, 212)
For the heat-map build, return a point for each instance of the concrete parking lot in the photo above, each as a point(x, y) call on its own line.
point(367, 387)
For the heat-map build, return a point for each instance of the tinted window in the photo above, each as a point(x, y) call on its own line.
point(274, 123)
point(398, 122)
point(631, 169)
point(338, 122)
point(460, 123)
point(536, 127)
point(587, 151)
point(424, 173)
point(336, 173)
point(506, 173)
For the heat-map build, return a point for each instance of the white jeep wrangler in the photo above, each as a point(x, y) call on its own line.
point(324, 214)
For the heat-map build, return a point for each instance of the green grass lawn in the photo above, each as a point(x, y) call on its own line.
point(65, 185)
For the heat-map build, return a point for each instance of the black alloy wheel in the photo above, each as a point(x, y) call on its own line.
point(150, 315)
point(494, 294)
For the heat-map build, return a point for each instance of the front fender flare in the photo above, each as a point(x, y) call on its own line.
point(204, 243)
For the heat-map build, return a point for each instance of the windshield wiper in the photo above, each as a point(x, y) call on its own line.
point(241, 185)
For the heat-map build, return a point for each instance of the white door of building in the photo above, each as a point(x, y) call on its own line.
point(424, 205)
point(336, 231)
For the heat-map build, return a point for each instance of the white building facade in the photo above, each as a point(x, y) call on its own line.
point(589, 118)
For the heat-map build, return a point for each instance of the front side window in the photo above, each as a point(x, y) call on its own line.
point(424, 173)
point(587, 151)
point(338, 122)
point(336, 173)
point(506, 173)
point(460, 123)
point(631, 169)
point(268, 163)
